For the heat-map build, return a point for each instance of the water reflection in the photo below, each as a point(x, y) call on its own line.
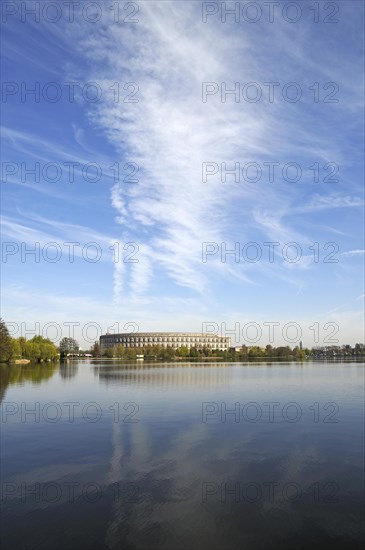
point(217, 485)
point(231, 486)
point(68, 369)
point(174, 374)
point(35, 373)
point(162, 375)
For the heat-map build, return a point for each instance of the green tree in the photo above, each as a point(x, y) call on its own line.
point(95, 350)
point(359, 349)
point(193, 352)
point(283, 351)
point(256, 351)
point(167, 353)
point(6, 348)
point(16, 349)
point(298, 353)
point(183, 351)
point(242, 354)
point(132, 352)
point(68, 345)
point(22, 343)
point(47, 349)
point(32, 351)
point(120, 351)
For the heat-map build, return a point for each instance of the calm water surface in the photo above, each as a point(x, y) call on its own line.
point(182, 456)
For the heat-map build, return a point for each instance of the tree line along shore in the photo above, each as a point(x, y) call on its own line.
point(39, 349)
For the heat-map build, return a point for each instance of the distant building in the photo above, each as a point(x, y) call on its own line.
point(173, 340)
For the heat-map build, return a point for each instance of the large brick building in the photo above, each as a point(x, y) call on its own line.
point(166, 340)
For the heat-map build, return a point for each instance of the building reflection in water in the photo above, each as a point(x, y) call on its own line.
point(170, 454)
point(166, 374)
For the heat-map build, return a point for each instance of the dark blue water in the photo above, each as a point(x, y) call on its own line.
point(103, 455)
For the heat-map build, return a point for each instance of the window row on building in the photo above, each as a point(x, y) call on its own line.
point(165, 339)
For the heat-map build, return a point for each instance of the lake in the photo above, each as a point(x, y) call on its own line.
point(106, 455)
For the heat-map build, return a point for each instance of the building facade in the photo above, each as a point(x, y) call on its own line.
point(166, 340)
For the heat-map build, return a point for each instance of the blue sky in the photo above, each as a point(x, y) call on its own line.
point(170, 134)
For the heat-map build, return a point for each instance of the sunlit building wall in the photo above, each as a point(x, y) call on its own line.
point(166, 340)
